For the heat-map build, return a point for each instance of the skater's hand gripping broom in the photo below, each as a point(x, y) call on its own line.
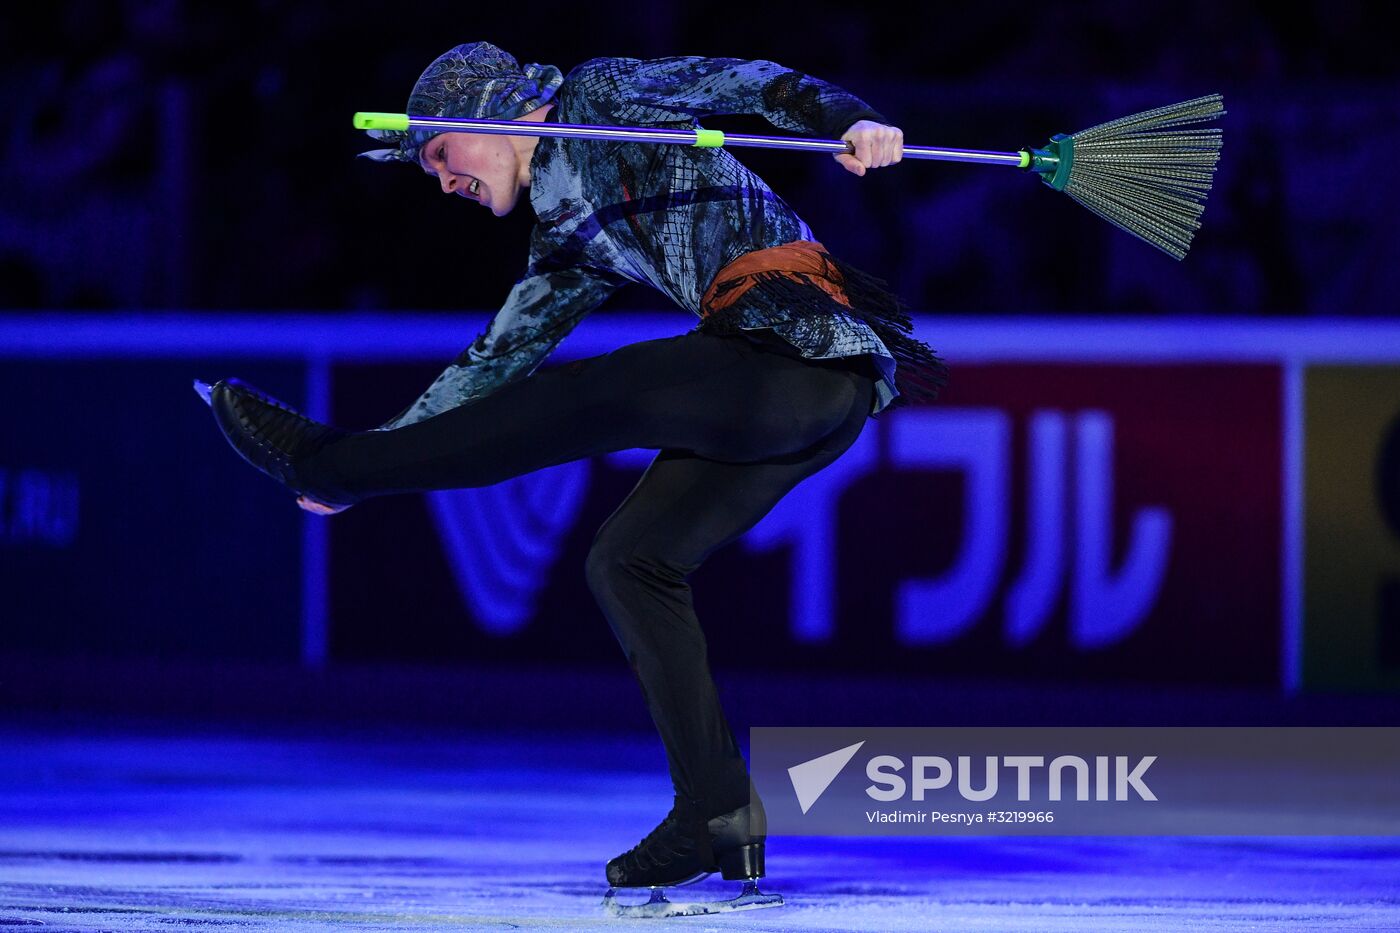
point(1140, 173)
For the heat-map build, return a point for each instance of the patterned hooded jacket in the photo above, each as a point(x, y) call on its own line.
point(669, 216)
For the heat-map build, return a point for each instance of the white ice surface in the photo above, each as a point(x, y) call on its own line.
point(101, 830)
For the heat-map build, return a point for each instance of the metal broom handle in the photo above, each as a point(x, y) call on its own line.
point(698, 136)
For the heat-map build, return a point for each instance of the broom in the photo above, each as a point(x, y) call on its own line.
point(1135, 172)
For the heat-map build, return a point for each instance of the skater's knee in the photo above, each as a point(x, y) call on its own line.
point(619, 562)
point(611, 563)
point(602, 567)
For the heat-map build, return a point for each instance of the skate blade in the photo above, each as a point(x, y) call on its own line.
point(749, 898)
point(203, 388)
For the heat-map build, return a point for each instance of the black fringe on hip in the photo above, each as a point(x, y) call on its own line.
point(919, 374)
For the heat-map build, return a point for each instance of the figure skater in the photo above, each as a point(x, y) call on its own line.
point(793, 351)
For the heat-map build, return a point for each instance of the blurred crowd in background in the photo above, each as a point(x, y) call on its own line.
point(170, 155)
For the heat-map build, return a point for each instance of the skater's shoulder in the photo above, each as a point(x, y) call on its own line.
point(601, 66)
point(600, 76)
point(592, 89)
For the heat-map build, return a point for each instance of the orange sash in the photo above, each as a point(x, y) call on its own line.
point(804, 256)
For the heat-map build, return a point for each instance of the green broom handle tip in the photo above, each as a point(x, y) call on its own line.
point(369, 120)
point(708, 139)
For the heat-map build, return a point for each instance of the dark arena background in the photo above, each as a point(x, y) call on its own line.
point(1155, 492)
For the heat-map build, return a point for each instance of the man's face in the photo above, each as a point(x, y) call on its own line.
point(482, 167)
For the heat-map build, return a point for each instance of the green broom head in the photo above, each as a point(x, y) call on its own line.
point(1139, 173)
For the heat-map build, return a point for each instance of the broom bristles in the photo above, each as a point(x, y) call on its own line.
point(1147, 179)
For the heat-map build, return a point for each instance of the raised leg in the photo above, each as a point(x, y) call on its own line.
point(720, 398)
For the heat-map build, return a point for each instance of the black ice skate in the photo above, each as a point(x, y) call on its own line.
point(687, 848)
point(272, 436)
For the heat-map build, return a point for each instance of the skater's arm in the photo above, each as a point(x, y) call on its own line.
point(540, 311)
point(693, 86)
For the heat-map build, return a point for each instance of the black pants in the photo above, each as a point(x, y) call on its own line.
point(739, 421)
